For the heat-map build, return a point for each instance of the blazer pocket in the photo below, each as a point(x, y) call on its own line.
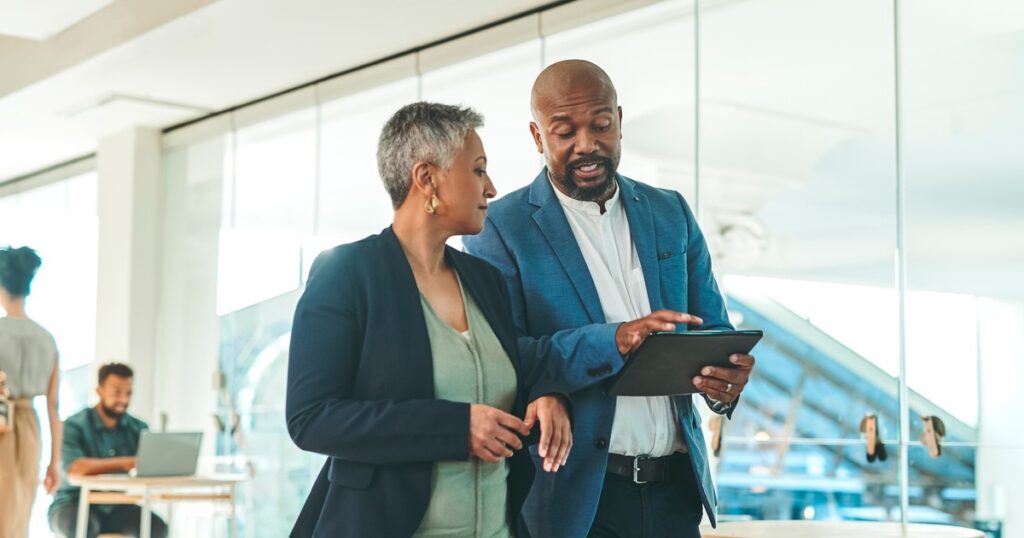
point(350, 474)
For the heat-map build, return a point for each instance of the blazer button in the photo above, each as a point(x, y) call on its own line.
point(601, 442)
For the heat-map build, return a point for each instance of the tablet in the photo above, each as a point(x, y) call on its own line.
point(666, 363)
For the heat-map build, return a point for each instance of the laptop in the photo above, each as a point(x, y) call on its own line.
point(168, 454)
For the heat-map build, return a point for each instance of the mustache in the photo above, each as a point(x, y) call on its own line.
point(583, 161)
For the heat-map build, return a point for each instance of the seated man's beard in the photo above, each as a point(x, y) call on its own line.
point(592, 193)
point(112, 413)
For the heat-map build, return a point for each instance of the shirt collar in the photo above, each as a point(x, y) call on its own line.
point(97, 422)
point(588, 208)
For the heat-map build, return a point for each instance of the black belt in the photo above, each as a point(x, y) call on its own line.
point(644, 469)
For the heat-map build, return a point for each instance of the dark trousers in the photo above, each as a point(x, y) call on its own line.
point(123, 519)
point(653, 510)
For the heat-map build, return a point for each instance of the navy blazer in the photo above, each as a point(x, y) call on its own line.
point(361, 389)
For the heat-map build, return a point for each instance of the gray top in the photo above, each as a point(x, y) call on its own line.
point(28, 354)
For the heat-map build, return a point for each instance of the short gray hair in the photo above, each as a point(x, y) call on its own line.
point(421, 132)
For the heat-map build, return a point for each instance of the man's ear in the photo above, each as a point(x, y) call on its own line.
point(535, 131)
point(620, 122)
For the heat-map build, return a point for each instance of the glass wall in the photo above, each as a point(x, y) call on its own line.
point(869, 225)
point(798, 185)
point(963, 165)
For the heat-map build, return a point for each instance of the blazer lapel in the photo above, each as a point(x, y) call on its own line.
point(550, 218)
point(641, 228)
point(407, 313)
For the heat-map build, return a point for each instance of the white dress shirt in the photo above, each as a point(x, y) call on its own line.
point(643, 425)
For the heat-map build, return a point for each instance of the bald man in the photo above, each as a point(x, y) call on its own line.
point(595, 262)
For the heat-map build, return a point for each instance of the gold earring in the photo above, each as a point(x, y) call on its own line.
point(431, 205)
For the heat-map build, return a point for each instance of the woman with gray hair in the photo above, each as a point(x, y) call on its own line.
point(403, 367)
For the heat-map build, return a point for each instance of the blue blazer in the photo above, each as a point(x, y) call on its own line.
point(558, 315)
point(361, 389)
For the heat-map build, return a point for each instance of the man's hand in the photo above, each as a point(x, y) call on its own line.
point(725, 384)
point(555, 430)
point(493, 433)
point(631, 334)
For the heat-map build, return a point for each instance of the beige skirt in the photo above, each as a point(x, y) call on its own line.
point(19, 470)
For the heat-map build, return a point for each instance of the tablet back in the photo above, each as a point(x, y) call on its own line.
point(666, 363)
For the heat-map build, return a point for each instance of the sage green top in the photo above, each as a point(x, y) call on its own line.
point(28, 354)
point(468, 498)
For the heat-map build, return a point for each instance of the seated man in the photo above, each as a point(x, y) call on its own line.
point(99, 440)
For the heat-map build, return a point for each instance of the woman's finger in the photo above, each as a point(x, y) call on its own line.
point(513, 423)
point(494, 451)
point(508, 438)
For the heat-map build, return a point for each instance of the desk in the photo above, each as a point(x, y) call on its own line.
point(121, 489)
point(835, 529)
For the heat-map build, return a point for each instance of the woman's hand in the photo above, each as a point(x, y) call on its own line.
point(493, 433)
point(52, 479)
point(555, 430)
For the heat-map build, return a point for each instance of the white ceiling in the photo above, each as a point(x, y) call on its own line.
point(41, 19)
point(220, 55)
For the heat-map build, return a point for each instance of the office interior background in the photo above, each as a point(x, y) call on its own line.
point(856, 165)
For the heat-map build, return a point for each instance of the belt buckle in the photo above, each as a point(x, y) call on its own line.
point(636, 467)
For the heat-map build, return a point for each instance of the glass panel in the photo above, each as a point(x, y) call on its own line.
point(798, 205)
point(805, 480)
point(254, 359)
point(798, 191)
point(272, 210)
point(943, 489)
point(353, 201)
point(498, 86)
point(655, 91)
point(963, 130)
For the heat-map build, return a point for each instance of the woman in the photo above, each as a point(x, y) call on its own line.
point(403, 366)
point(28, 357)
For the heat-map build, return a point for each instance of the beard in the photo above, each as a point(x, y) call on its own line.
point(113, 413)
point(593, 192)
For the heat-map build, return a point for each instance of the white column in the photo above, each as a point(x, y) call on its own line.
point(129, 209)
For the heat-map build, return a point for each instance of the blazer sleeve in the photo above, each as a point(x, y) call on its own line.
point(573, 359)
point(705, 299)
point(322, 415)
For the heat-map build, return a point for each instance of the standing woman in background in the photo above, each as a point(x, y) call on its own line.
point(28, 357)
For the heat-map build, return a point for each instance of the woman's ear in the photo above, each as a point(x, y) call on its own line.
point(423, 178)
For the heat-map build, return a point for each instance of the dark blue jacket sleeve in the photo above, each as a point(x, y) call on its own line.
point(573, 359)
point(322, 414)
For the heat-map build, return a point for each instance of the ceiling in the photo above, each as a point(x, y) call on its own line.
point(41, 20)
point(112, 65)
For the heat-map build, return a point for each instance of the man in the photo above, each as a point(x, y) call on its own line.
point(595, 262)
point(99, 440)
